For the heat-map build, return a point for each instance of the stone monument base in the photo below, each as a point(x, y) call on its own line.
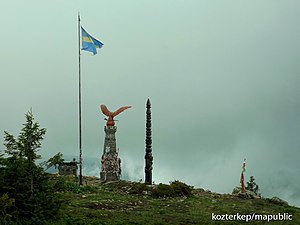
point(111, 163)
point(102, 176)
point(106, 177)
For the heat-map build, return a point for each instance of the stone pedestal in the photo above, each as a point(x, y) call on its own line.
point(111, 163)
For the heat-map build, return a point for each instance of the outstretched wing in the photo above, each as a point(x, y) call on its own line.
point(120, 110)
point(105, 110)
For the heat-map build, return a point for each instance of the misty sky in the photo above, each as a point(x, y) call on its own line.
point(223, 78)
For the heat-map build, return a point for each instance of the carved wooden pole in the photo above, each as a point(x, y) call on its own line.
point(148, 155)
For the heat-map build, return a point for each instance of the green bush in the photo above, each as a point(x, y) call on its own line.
point(59, 184)
point(180, 188)
point(175, 189)
point(139, 188)
point(163, 190)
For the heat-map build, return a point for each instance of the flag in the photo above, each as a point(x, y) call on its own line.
point(244, 166)
point(242, 176)
point(89, 43)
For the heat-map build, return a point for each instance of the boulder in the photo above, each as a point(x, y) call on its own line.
point(278, 201)
point(237, 191)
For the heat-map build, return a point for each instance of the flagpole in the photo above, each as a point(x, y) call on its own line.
point(79, 86)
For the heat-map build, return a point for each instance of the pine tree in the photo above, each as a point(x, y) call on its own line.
point(25, 181)
point(55, 161)
point(252, 186)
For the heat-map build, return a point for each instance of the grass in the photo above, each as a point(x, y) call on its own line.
point(132, 203)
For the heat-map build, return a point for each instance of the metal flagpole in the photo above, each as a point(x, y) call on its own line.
point(79, 78)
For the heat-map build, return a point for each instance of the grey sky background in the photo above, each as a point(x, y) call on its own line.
point(223, 78)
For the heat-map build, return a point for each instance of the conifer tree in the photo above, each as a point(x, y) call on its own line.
point(25, 181)
point(55, 161)
point(252, 186)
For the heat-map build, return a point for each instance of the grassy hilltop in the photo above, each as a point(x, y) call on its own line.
point(136, 203)
point(30, 196)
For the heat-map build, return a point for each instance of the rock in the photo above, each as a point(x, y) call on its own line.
point(200, 189)
point(145, 192)
point(236, 190)
point(216, 195)
point(278, 201)
point(247, 194)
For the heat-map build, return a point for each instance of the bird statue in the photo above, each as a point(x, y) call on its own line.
point(110, 120)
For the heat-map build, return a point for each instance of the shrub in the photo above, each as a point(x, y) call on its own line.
point(163, 190)
point(138, 188)
point(175, 189)
point(180, 188)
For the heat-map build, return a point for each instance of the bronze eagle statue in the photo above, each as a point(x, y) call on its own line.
point(110, 121)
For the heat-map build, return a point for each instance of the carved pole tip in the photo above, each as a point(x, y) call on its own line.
point(148, 102)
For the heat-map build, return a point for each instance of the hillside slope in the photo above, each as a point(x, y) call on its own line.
point(132, 203)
